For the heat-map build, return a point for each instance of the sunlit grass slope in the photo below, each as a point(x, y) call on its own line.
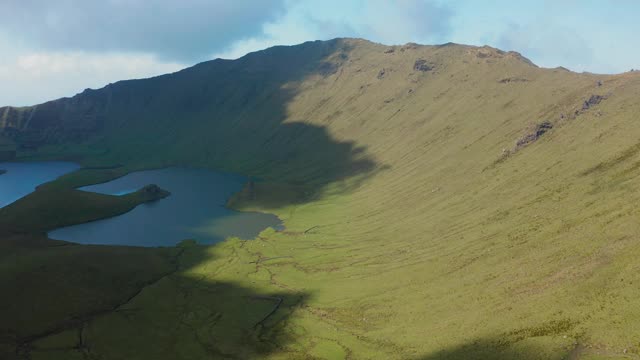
point(416, 226)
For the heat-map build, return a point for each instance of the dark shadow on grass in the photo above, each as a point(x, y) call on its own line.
point(212, 319)
point(495, 349)
point(547, 340)
point(63, 300)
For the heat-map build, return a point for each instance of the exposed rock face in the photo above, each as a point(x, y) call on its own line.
point(516, 55)
point(422, 65)
point(534, 133)
point(512, 80)
point(592, 101)
point(409, 46)
point(153, 192)
point(538, 131)
point(151, 189)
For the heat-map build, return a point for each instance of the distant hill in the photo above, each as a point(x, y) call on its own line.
point(455, 197)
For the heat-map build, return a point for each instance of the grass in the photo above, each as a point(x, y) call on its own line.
point(50, 287)
point(404, 237)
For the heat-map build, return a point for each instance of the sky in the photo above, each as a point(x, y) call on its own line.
point(50, 49)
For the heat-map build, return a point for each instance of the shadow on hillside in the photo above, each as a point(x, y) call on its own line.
point(300, 162)
point(495, 349)
point(245, 113)
point(190, 317)
point(99, 307)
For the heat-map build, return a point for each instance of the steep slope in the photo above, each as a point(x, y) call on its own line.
point(440, 201)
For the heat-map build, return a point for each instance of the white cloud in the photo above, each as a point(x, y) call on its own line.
point(549, 45)
point(289, 31)
point(401, 21)
point(32, 78)
point(390, 22)
point(169, 29)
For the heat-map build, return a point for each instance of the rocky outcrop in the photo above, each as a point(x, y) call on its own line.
point(153, 192)
point(422, 65)
point(588, 104)
point(539, 130)
point(512, 80)
point(534, 133)
point(592, 101)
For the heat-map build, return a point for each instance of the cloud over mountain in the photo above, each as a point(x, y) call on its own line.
point(171, 30)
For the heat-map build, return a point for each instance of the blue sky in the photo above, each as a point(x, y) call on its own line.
point(50, 49)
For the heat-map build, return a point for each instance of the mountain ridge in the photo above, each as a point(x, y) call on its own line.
point(83, 115)
point(275, 48)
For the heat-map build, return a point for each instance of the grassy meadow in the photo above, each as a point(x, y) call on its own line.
point(416, 227)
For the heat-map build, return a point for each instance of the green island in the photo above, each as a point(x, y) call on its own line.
point(440, 202)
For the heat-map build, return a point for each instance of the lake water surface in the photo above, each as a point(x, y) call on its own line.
point(22, 178)
point(194, 210)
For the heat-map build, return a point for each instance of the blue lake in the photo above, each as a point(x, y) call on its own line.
point(22, 178)
point(194, 210)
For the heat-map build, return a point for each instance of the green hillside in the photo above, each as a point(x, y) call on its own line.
point(440, 202)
